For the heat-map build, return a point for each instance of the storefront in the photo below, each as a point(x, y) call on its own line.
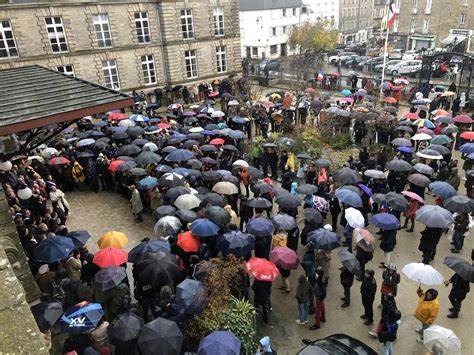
point(421, 41)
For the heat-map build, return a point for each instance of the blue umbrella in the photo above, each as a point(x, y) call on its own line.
point(207, 133)
point(346, 92)
point(236, 134)
point(204, 228)
point(385, 221)
point(405, 150)
point(81, 318)
point(219, 342)
point(211, 127)
point(470, 156)
point(85, 142)
point(147, 183)
point(349, 197)
point(191, 295)
point(101, 124)
point(139, 118)
point(367, 190)
point(79, 238)
point(238, 120)
point(149, 246)
point(109, 277)
point(151, 106)
point(323, 239)
point(97, 133)
point(54, 249)
point(260, 227)
point(164, 168)
point(181, 171)
point(117, 129)
point(237, 243)
point(442, 189)
point(179, 155)
point(284, 222)
point(467, 148)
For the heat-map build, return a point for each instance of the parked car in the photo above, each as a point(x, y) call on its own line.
point(337, 344)
point(354, 62)
point(370, 63)
point(335, 58)
point(270, 64)
point(395, 54)
point(346, 59)
point(405, 67)
point(388, 66)
point(411, 55)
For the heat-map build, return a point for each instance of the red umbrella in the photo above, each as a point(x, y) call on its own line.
point(217, 141)
point(262, 269)
point(110, 257)
point(310, 90)
point(391, 100)
point(440, 113)
point(413, 196)
point(285, 258)
point(268, 104)
point(58, 161)
point(469, 135)
point(163, 125)
point(113, 166)
point(411, 116)
point(213, 93)
point(117, 116)
point(462, 119)
point(188, 242)
point(335, 74)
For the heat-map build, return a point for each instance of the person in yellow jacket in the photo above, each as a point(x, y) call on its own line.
point(233, 216)
point(78, 175)
point(291, 162)
point(280, 239)
point(427, 309)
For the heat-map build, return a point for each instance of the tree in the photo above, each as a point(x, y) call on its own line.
point(313, 36)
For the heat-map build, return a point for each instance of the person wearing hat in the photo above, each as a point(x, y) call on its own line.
point(368, 288)
point(136, 204)
point(390, 281)
point(44, 278)
point(426, 310)
point(78, 175)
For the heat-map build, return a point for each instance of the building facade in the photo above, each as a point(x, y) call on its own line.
point(321, 10)
point(124, 45)
point(265, 26)
point(355, 20)
point(437, 24)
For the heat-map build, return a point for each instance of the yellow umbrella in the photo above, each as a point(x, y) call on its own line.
point(113, 239)
point(448, 93)
point(275, 95)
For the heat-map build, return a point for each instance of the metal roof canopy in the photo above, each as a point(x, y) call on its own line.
point(33, 97)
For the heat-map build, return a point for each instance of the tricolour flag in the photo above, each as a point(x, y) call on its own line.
point(390, 15)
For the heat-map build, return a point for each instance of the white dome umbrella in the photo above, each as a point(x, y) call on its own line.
point(167, 226)
point(241, 163)
point(194, 106)
point(421, 137)
point(217, 114)
point(354, 218)
point(187, 202)
point(423, 274)
point(196, 130)
point(225, 188)
point(126, 123)
point(429, 154)
point(441, 339)
point(152, 147)
point(48, 152)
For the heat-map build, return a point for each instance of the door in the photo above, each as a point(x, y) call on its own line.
point(283, 50)
point(248, 52)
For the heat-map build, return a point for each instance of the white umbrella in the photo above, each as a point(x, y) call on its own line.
point(376, 174)
point(35, 157)
point(192, 107)
point(187, 202)
point(196, 129)
point(442, 339)
point(423, 274)
point(241, 163)
point(152, 147)
point(225, 188)
point(421, 137)
point(166, 226)
point(48, 152)
point(126, 123)
point(217, 114)
point(429, 156)
point(354, 218)
point(233, 103)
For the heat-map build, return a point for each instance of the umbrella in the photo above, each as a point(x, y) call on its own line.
point(459, 204)
point(203, 270)
point(363, 234)
point(147, 183)
point(313, 216)
point(110, 257)
point(462, 119)
point(261, 188)
point(439, 148)
point(58, 161)
point(260, 227)
point(262, 269)
point(112, 239)
point(469, 135)
point(304, 156)
point(322, 162)
point(110, 277)
point(123, 166)
point(441, 139)
point(188, 242)
point(467, 148)
point(170, 180)
point(203, 227)
point(396, 201)
point(401, 142)
point(152, 147)
point(148, 246)
point(135, 131)
point(163, 211)
point(347, 176)
point(85, 142)
point(461, 267)
point(179, 155)
point(323, 239)
point(354, 218)
point(349, 197)
point(423, 274)
point(231, 148)
point(442, 189)
point(413, 196)
point(167, 226)
point(157, 268)
point(160, 337)
point(350, 262)
point(441, 339)
point(288, 201)
point(419, 180)
point(421, 137)
point(187, 202)
point(376, 174)
point(398, 165)
point(411, 116)
point(218, 215)
point(47, 314)
point(174, 192)
point(225, 188)
point(346, 92)
point(285, 258)
point(429, 154)
point(125, 328)
point(284, 222)
point(259, 202)
point(219, 343)
point(287, 142)
point(215, 199)
point(187, 215)
point(147, 157)
point(54, 249)
point(385, 221)
point(211, 175)
point(141, 172)
point(423, 169)
point(307, 189)
point(79, 238)
point(129, 149)
point(81, 318)
point(191, 295)
point(434, 216)
point(255, 173)
point(237, 243)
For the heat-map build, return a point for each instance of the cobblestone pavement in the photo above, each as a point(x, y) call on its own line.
point(102, 212)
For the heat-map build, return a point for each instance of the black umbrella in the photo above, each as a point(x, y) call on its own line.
point(119, 135)
point(170, 180)
point(288, 201)
point(259, 202)
point(174, 192)
point(194, 164)
point(459, 204)
point(284, 222)
point(208, 148)
point(79, 238)
point(231, 178)
point(161, 337)
point(461, 267)
point(261, 188)
point(313, 216)
point(255, 173)
point(191, 295)
point(47, 314)
point(164, 210)
point(323, 239)
point(126, 158)
point(157, 269)
point(396, 201)
point(231, 148)
point(350, 262)
point(347, 176)
point(208, 160)
point(398, 165)
point(137, 172)
point(307, 189)
point(441, 149)
point(100, 145)
point(187, 215)
point(129, 149)
point(135, 131)
point(203, 270)
point(211, 175)
point(168, 149)
point(147, 157)
point(110, 277)
point(140, 141)
point(215, 199)
point(128, 165)
point(125, 328)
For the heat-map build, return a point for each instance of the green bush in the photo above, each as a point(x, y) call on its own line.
point(340, 141)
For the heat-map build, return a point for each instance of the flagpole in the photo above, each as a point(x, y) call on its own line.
point(385, 55)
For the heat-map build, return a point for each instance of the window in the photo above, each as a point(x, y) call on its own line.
point(395, 25)
point(110, 70)
point(426, 25)
point(191, 63)
point(102, 30)
point(273, 31)
point(219, 21)
point(143, 27)
point(428, 7)
point(413, 24)
point(465, 2)
point(66, 69)
point(254, 52)
point(273, 49)
point(303, 10)
point(148, 68)
point(187, 24)
point(462, 18)
point(283, 12)
point(293, 11)
point(57, 37)
point(7, 42)
point(414, 8)
point(221, 59)
point(284, 30)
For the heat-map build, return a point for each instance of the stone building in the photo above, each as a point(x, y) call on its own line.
point(125, 45)
point(355, 20)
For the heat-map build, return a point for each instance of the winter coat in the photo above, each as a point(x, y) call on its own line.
point(368, 288)
point(319, 290)
point(454, 180)
point(262, 289)
point(347, 278)
point(77, 172)
point(280, 239)
point(426, 311)
point(460, 287)
point(233, 216)
point(73, 267)
point(136, 202)
point(304, 290)
point(391, 281)
point(413, 206)
point(388, 240)
point(429, 239)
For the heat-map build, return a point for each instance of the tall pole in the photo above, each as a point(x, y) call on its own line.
point(385, 55)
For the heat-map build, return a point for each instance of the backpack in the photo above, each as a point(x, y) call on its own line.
point(58, 291)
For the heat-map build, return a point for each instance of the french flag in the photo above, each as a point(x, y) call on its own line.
point(392, 13)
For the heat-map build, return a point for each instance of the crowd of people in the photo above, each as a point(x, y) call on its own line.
point(190, 170)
